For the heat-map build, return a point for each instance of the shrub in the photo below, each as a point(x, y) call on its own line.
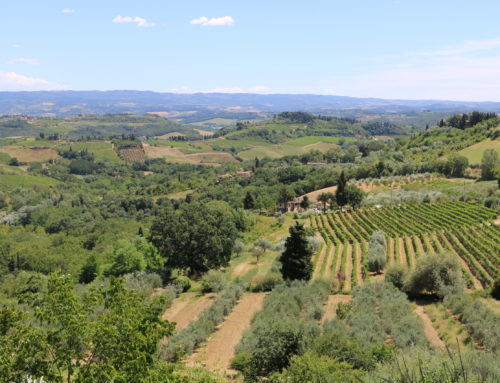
point(377, 252)
point(269, 282)
point(396, 274)
point(213, 281)
point(182, 283)
point(435, 274)
point(343, 309)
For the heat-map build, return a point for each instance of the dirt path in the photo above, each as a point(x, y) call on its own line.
point(319, 261)
point(359, 265)
point(420, 247)
point(411, 251)
point(439, 247)
point(242, 268)
point(390, 250)
point(348, 269)
point(329, 261)
point(429, 244)
point(401, 246)
point(217, 353)
point(331, 305)
point(187, 308)
point(475, 282)
point(430, 332)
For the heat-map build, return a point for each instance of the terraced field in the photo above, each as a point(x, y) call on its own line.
point(460, 228)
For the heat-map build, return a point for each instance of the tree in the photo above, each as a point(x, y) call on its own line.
point(305, 203)
point(286, 194)
point(257, 252)
point(196, 237)
point(324, 198)
point(377, 252)
point(264, 243)
point(13, 162)
point(489, 164)
point(296, 259)
point(238, 248)
point(354, 195)
point(248, 201)
point(340, 194)
point(455, 165)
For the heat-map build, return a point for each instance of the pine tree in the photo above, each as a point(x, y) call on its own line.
point(296, 259)
point(248, 202)
point(340, 194)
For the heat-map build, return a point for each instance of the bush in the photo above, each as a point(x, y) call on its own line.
point(495, 291)
point(396, 274)
point(213, 281)
point(182, 283)
point(269, 282)
point(377, 252)
point(435, 274)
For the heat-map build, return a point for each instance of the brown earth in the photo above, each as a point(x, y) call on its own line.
point(390, 250)
point(211, 157)
point(359, 265)
point(216, 355)
point(187, 308)
point(331, 305)
point(169, 135)
point(162, 151)
point(430, 332)
point(348, 269)
point(24, 154)
point(242, 268)
point(402, 254)
point(313, 196)
point(319, 262)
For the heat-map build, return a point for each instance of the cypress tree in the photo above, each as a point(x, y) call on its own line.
point(248, 201)
point(296, 259)
point(340, 194)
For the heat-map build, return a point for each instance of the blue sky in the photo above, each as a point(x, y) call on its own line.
point(440, 49)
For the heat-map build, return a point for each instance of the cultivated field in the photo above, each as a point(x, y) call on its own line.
point(475, 152)
point(33, 154)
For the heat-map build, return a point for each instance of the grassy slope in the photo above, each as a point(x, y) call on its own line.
point(474, 153)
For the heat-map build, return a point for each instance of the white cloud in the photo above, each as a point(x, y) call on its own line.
point(67, 10)
point(260, 89)
point(12, 81)
point(234, 89)
point(213, 22)
point(16, 46)
point(141, 22)
point(23, 60)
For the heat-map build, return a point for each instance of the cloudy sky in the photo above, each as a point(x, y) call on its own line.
point(426, 49)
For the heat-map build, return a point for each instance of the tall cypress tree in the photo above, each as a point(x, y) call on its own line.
point(340, 194)
point(248, 201)
point(296, 259)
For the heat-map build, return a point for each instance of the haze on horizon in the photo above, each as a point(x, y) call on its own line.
point(393, 49)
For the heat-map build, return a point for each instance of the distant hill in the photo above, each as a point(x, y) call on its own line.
point(192, 108)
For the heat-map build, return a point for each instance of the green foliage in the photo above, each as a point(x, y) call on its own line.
point(196, 237)
point(435, 274)
point(213, 281)
point(313, 368)
point(377, 252)
point(396, 274)
point(340, 193)
point(490, 164)
point(354, 195)
point(495, 290)
point(268, 282)
point(110, 333)
point(296, 259)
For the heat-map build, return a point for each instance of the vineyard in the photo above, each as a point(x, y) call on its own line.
point(456, 227)
point(131, 155)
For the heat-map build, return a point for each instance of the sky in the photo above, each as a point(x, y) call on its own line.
point(397, 49)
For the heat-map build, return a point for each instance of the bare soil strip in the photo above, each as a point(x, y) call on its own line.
point(390, 250)
point(331, 305)
point(217, 353)
point(429, 244)
point(402, 253)
point(348, 268)
point(319, 262)
point(411, 251)
point(187, 308)
point(329, 261)
point(430, 332)
point(359, 265)
point(420, 247)
point(475, 282)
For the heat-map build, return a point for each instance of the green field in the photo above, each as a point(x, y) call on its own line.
point(474, 153)
point(308, 140)
point(103, 151)
point(11, 181)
